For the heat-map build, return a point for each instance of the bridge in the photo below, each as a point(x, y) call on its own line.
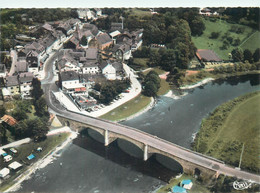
point(192, 162)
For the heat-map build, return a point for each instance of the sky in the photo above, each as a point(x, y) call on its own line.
point(125, 3)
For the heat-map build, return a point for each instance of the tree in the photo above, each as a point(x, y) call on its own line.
point(37, 91)
point(248, 55)
point(237, 55)
point(19, 114)
point(84, 41)
point(3, 138)
point(41, 108)
point(214, 35)
point(151, 84)
point(256, 55)
point(39, 129)
point(2, 111)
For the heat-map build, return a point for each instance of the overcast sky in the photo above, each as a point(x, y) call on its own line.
point(125, 3)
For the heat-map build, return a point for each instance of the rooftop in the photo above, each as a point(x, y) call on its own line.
point(207, 55)
point(12, 81)
point(69, 75)
point(9, 120)
point(91, 53)
point(26, 77)
point(103, 38)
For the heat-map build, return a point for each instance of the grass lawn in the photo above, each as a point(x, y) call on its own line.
point(231, 125)
point(141, 63)
point(196, 188)
point(221, 26)
point(25, 150)
point(252, 43)
point(156, 69)
point(165, 87)
point(140, 13)
point(129, 108)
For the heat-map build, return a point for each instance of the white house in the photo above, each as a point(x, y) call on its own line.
point(12, 85)
point(70, 82)
point(108, 70)
point(25, 80)
point(90, 68)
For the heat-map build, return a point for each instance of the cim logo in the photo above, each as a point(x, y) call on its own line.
point(242, 185)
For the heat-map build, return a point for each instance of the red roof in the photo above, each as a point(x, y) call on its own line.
point(9, 120)
point(207, 55)
point(80, 89)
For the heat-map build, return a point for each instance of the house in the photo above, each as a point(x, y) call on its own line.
point(48, 43)
point(33, 62)
point(21, 66)
point(65, 28)
point(137, 39)
point(25, 80)
point(90, 68)
point(92, 54)
point(9, 120)
point(114, 35)
point(117, 26)
point(12, 85)
point(108, 70)
point(207, 56)
point(122, 52)
point(3, 71)
point(124, 38)
point(112, 70)
point(85, 13)
point(70, 82)
point(187, 184)
point(93, 29)
point(103, 41)
point(73, 43)
point(178, 189)
point(98, 12)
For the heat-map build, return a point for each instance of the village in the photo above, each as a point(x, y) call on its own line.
point(91, 70)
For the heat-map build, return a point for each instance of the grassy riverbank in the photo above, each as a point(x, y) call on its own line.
point(229, 127)
point(129, 108)
point(24, 150)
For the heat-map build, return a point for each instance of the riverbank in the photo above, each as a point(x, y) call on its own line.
point(200, 83)
point(231, 132)
point(50, 154)
point(130, 109)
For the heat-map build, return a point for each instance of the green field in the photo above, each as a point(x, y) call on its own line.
point(140, 12)
point(230, 126)
point(252, 43)
point(129, 108)
point(205, 42)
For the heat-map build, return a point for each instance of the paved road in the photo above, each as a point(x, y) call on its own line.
point(141, 136)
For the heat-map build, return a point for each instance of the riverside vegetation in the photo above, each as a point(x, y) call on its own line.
point(228, 128)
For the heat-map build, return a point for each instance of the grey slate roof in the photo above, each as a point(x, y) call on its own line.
point(103, 64)
point(92, 53)
point(118, 66)
point(12, 81)
point(25, 77)
point(124, 47)
point(116, 26)
point(91, 27)
point(103, 38)
point(90, 64)
point(21, 66)
point(69, 75)
point(47, 27)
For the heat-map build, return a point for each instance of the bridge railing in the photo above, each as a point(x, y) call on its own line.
point(139, 131)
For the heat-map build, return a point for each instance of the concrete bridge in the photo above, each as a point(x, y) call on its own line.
point(192, 162)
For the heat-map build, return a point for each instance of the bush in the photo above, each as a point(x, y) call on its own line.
point(214, 35)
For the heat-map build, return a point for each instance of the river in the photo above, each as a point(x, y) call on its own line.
point(87, 166)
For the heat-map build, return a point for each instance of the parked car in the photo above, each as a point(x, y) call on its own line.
point(8, 158)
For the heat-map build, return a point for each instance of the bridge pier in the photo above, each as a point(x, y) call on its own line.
point(145, 152)
point(108, 139)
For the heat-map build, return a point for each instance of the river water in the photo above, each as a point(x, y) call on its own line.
point(88, 166)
